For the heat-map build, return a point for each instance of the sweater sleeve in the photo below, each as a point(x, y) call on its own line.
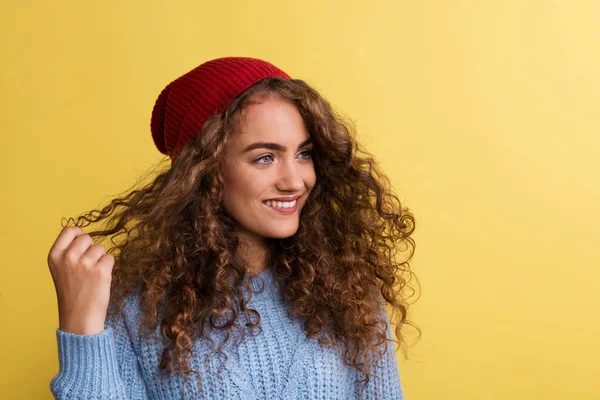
point(386, 386)
point(101, 366)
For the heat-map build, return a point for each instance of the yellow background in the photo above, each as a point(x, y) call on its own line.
point(485, 114)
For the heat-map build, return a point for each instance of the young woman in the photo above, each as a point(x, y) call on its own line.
point(257, 265)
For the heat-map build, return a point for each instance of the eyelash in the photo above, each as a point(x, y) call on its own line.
point(257, 161)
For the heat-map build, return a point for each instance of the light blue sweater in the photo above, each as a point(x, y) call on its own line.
point(279, 363)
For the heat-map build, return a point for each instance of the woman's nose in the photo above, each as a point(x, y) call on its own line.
point(290, 178)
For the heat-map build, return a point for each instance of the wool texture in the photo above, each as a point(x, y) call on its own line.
point(279, 363)
point(185, 104)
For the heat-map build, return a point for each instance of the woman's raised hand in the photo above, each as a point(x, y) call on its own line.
point(82, 272)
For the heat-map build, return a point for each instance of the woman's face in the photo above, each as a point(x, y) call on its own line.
point(268, 170)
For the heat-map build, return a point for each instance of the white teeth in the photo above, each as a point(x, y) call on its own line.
point(281, 204)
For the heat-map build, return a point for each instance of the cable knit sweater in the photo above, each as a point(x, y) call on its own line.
point(279, 363)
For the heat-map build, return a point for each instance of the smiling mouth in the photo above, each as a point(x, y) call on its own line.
point(281, 204)
point(282, 207)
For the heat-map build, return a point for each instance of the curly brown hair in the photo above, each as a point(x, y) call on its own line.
point(173, 241)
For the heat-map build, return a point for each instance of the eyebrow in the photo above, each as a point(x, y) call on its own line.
point(274, 146)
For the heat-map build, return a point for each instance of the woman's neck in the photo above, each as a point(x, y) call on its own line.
point(254, 253)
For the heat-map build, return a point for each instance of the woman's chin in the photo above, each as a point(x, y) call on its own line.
point(282, 233)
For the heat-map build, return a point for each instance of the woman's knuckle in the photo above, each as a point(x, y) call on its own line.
point(70, 257)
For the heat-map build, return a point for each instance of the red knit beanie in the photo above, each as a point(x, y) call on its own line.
point(185, 104)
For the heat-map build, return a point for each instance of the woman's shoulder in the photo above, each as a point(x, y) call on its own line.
point(126, 318)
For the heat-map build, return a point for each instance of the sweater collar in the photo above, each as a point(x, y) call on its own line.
point(266, 278)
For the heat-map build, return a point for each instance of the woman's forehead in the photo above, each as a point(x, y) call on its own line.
point(271, 120)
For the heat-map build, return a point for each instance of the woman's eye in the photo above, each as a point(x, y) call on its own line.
point(306, 154)
point(264, 159)
point(268, 158)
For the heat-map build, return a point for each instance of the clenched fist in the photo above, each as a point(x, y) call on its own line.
point(82, 272)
